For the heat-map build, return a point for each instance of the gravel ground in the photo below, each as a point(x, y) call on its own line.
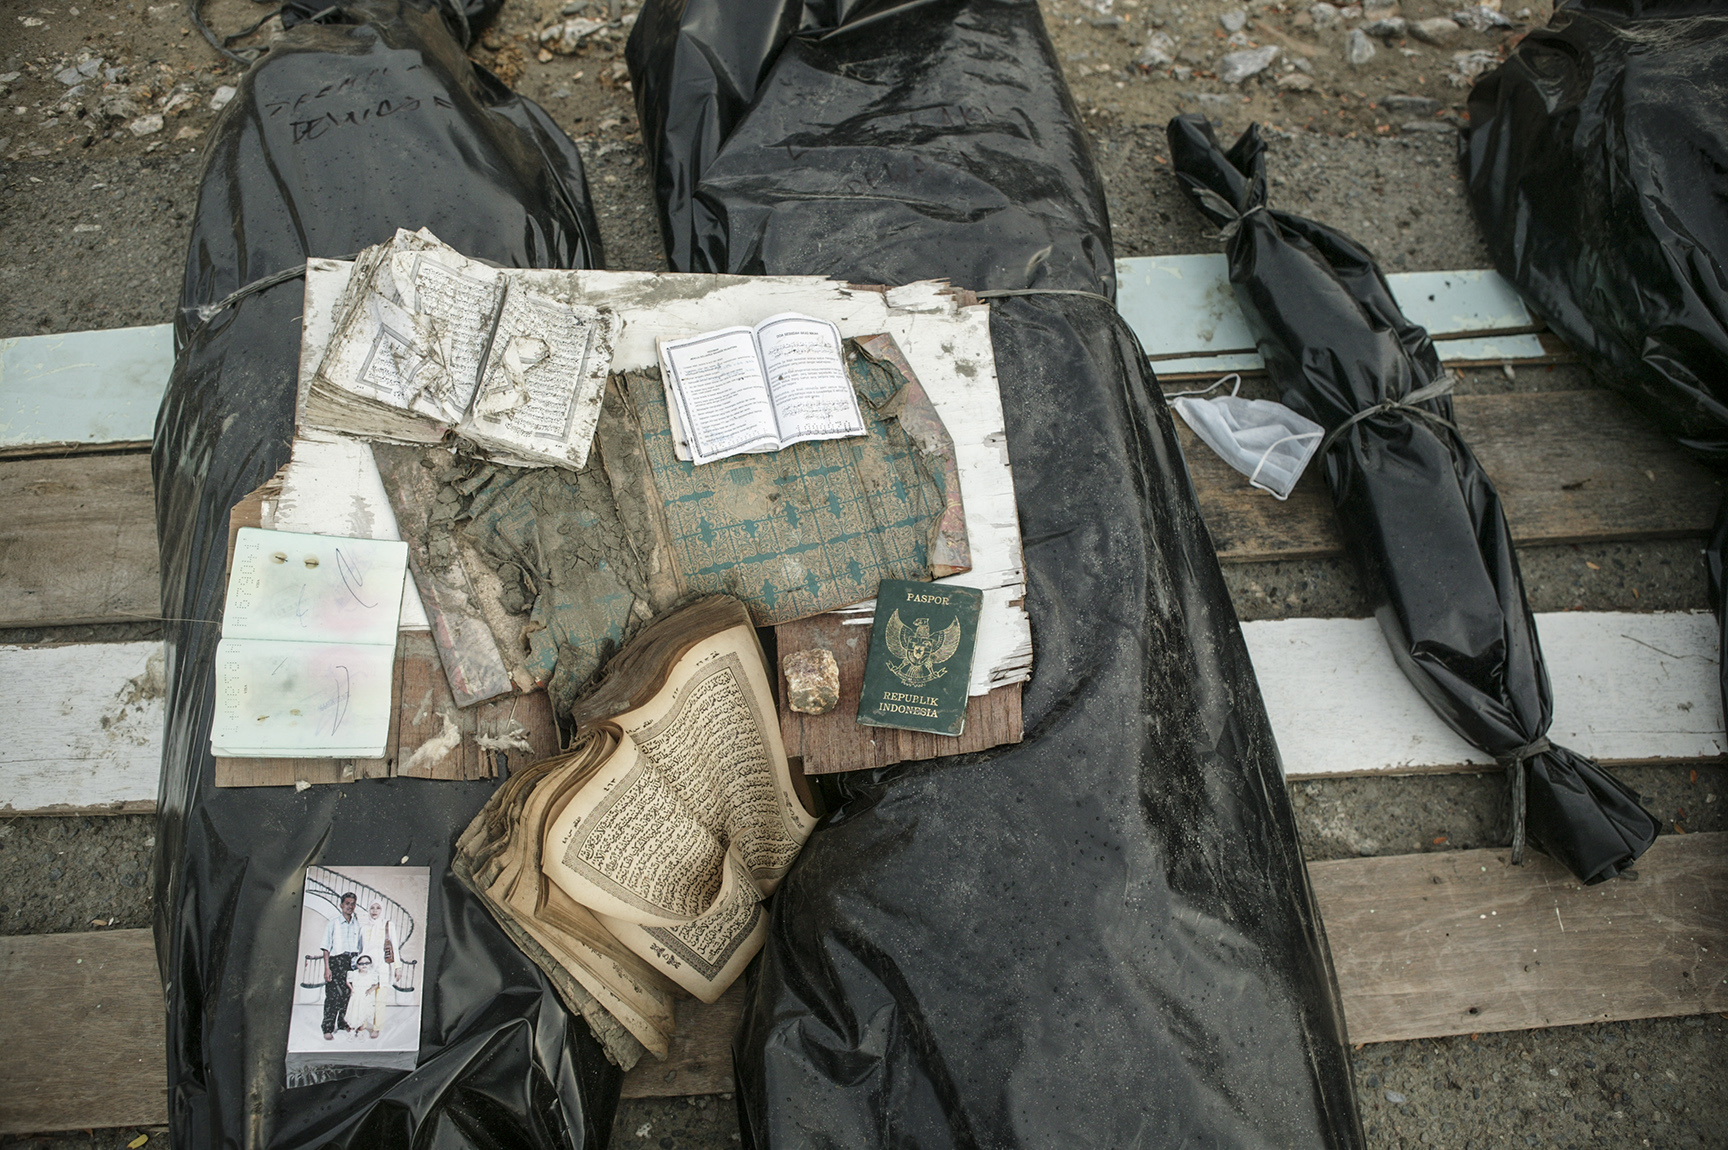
point(95, 199)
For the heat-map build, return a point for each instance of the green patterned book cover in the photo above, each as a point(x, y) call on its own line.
point(920, 658)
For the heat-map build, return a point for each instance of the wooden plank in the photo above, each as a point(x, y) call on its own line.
point(1454, 942)
point(77, 541)
point(83, 389)
point(1571, 467)
point(1462, 941)
point(85, 1041)
point(701, 1058)
point(87, 728)
point(836, 742)
point(1627, 688)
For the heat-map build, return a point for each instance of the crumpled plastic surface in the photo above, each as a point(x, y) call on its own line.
point(1103, 936)
point(1414, 506)
point(1595, 158)
point(341, 134)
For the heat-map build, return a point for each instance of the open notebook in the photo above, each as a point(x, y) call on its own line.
point(304, 668)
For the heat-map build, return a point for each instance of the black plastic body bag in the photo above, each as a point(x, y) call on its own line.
point(1414, 506)
point(1103, 936)
point(342, 133)
point(1595, 163)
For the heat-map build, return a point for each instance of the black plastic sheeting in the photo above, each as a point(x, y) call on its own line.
point(1103, 936)
point(1414, 506)
point(340, 135)
point(1594, 159)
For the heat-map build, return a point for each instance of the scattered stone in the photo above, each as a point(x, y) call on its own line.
point(78, 73)
point(574, 8)
point(1387, 28)
point(9, 77)
point(1324, 15)
point(1234, 20)
point(1238, 40)
point(1415, 127)
point(1378, 9)
point(1296, 82)
point(181, 98)
point(1439, 31)
point(1400, 105)
point(1238, 66)
point(1182, 72)
point(566, 39)
point(1300, 63)
point(1481, 19)
point(1360, 48)
point(220, 97)
point(812, 681)
point(1395, 1098)
point(1351, 12)
point(188, 132)
point(146, 125)
point(1159, 52)
point(1466, 66)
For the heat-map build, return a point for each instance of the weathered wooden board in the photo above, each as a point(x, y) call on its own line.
point(1185, 314)
point(77, 541)
point(836, 741)
point(85, 1044)
point(1627, 687)
point(1462, 941)
point(1571, 467)
point(86, 728)
point(1425, 945)
point(83, 389)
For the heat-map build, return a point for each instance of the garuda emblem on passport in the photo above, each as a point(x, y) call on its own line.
point(920, 653)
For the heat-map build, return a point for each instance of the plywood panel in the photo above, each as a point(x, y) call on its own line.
point(85, 1042)
point(77, 541)
point(86, 728)
point(1571, 467)
point(1463, 941)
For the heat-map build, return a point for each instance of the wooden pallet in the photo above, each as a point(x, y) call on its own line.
point(1425, 945)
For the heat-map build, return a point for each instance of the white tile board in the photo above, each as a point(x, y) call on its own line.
point(1626, 687)
point(83, 387)
point(1184, 304)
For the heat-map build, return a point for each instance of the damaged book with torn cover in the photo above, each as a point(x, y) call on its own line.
point(637, 863)
point(428, 341)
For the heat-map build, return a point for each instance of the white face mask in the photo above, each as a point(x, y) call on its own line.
point(1262, 439)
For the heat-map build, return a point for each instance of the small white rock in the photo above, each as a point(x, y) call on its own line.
point(146, 125)
point(1160, 52)
point(1324, 15)
point(1234, 20)
point(1439, 31)
point(1360, 49)
point(1238, 66)
point(220, 97)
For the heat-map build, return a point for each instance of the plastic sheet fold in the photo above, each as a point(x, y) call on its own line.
point(1103, 936)
point(1594, 161)
point(345, 131)
point(1414, 506)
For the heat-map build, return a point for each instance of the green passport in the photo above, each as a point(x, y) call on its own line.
point(920, 658)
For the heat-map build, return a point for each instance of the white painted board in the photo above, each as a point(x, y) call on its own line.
point(83, 387)
point(1626, 687)
point(1184, 305)
point(87, 726)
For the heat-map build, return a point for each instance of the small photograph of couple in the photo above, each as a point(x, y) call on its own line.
point(357, 1002)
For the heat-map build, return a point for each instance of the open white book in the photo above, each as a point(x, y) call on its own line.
point(428, 340)
point(745, 390)
point(306, 662)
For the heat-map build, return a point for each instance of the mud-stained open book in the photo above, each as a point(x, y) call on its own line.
point(633, 867)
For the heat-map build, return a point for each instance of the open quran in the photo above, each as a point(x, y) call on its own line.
point(632, 868)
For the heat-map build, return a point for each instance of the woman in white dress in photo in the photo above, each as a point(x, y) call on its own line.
point(366, 997)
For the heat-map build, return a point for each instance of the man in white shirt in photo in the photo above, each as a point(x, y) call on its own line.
point(343, 940)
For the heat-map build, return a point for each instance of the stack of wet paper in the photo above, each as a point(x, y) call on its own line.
point(632, 868)
point(428, 342)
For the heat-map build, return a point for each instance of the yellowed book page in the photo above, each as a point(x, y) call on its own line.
point(706, 954)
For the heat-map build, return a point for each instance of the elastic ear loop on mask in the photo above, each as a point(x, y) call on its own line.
point(1267, 454)
point(1214, 387)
